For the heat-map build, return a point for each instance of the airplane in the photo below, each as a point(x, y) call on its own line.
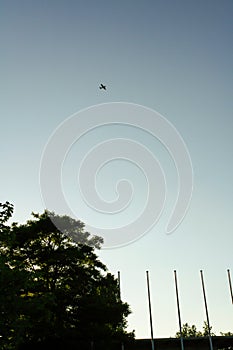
point(102, 86)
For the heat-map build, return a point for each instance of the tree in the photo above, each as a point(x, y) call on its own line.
point(10, 282)
point(206, 331)
point(226, 334)
point(188, 331)
point(61, 290)
point(191, 331)
point(6, 211)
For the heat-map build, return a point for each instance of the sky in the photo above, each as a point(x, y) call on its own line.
point(173, 57)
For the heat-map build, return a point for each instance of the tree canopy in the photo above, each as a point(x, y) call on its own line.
point(191, 331)
point(53, 289)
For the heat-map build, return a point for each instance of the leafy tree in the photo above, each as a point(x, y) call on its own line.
point(226, 334)
point(206, 331)
point(191, 331)
point(10, 282)
point(59, 290)
point(6, 211)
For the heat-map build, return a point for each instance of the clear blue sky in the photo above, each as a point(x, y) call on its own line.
point(172, 56)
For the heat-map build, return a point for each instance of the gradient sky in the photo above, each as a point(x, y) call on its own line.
point(174, 56)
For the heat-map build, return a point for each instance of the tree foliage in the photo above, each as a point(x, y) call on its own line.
point(191, 331)
point(52, 288)
point(6, 211)
point(226, 334)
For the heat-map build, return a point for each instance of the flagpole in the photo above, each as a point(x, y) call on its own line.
point(230, 285)
point(178, 309)
point(119, 283)
point(119, 290)
point(206, 309)
point(149, 301)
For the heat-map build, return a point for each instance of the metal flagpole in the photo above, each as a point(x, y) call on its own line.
point(230, 285)
point(119, 288)
point(206, 309)
point(151, 325)
point(119, 283)
point(178, 309)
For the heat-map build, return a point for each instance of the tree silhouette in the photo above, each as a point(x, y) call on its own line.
point(191, 331)
point(57, 289)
